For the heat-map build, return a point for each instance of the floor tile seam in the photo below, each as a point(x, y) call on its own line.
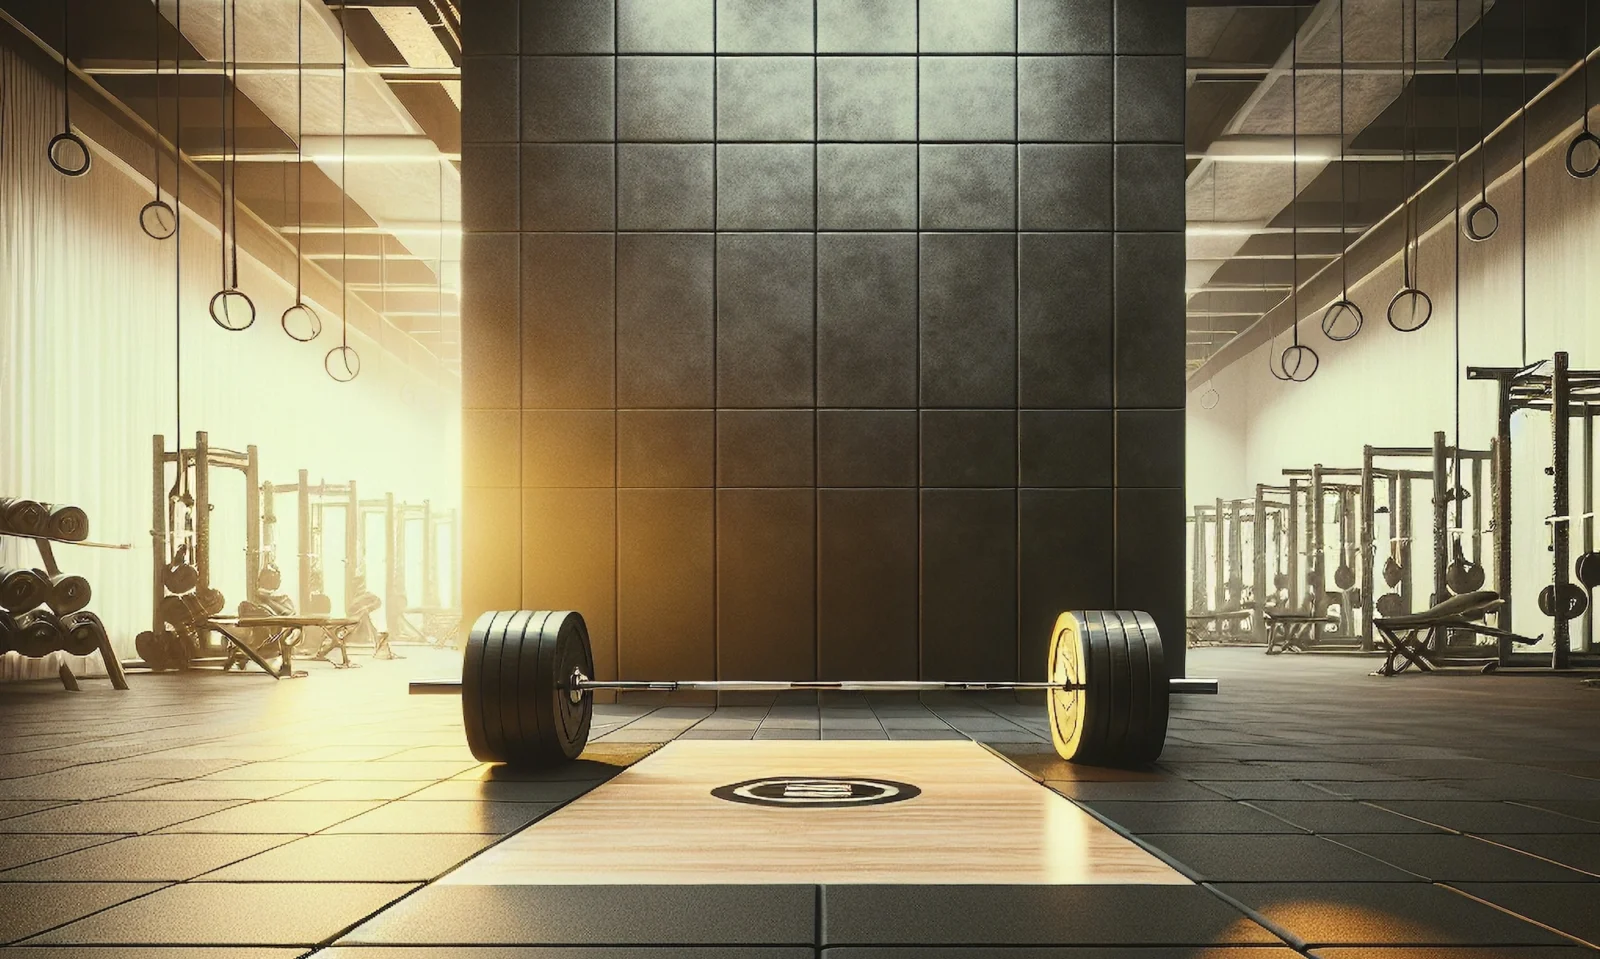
point(1529, 804)
point(1511, 912)
point(159, 886)
point(291, 838)
point(1525, 852)
point(109, 839)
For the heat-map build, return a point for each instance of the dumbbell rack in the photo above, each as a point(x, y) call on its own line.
point(47, 556)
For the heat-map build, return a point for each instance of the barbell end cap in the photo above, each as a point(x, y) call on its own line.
point(435, 687)
point(1192, 687)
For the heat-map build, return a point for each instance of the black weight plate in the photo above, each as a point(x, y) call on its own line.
point(473, 703)
point(1158, 711)
point(81, 633)
point(1138, 686)
point(573, 717)
point(1121, 684)
point(517, 643)
point(493, 662)
point(530, 731)
point(8, 630)
point(1097, 697)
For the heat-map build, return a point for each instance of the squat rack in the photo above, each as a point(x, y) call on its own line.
point(312, 500)
point(1549, 386)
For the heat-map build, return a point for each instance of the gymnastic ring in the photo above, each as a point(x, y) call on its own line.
point(152, 222)
point(1300, 351)
point(349, 366)
point(1416, 297)
point(1210, 398)
point(68, 137)
point(228, 320)
point(1330, 319)
point(1469, 225)
point(1584, 136)
point(313, 321)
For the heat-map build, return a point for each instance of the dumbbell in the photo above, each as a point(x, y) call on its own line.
point(526, 691)
point(25, 517)
point(37, 634)
point(82, 633)
point(68, 593)
point(22, 589)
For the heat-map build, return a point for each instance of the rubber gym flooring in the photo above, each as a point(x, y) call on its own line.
point(1309, 810)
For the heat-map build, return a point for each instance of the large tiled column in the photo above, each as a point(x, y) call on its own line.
point(836, 338)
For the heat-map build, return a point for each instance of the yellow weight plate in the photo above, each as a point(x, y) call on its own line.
point(1069, 651)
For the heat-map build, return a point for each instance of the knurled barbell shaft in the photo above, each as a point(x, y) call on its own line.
point(1174, 686)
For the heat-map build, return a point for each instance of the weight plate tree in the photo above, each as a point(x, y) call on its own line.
point(526, 691)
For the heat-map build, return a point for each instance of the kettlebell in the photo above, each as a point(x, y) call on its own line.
point(1463, 575)
point(1390, 604)
point(1392, 571)
point(180, 575)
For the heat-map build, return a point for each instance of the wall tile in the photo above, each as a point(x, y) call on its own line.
point(489, 198)
point(867, 319)
point(867, 448)
point(969, 448)
point(489, 111)
point(765, 448)
point(1066, 448)
point(568, 448)
point(491, 361)
point(1065, 320)
point(567, 98)
point(1068, 541)
point(766, 186)
point(866, 186)
point(1065, 98)
point(765, 98)
point(568, 336)
point(1150, 448)
point(665, 98)
point(491, 554)
point(1150, 563)
point(1149, 320)
point(766, 583)
point(564, 26)
point(1050, 26)
point(1147, 27)
point(568, 186)
point(968, 319)
point(969, 186)
point(1066, 186)
point(867, 584)
point(867, 98)
point(968, 26)
point(569, 561)
point(664, 320)
point(665, 26)
point(1149, 99)
point(764, 26)
point(665, 186)
point(866, 26)
point(665, 447)
point(491, 448)
point(1150, 186)
point(492, 28)
point(764, 320)
point(969, 584)
point(968, 98)
point(665, 580)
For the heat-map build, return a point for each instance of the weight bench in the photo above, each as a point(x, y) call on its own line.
point(1295, 632)
point(286, 632)
point(1407, 638)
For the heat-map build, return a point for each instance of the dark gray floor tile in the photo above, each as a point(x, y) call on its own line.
point(277, 816)
point(1029, 915)
point(1359, 913)
point(474, 791)
point(29, 908)
point(1248, 789)
point(208, 913)
point(1446, 858)
point(1133, 791)
point(1403, 789)
point(446, 817)
point(1579, 852)
point(1190, 817)
point(1588, 809)
point(19, 850)
point(1061, 952)
point(1452, 952)
point(21, 807)
point(1282, 858)
point(598, 915)
point(575, 952)
point(112, 817)
point(1340, 816)
point(356, 858)
point(153, 952)
point(1489, 817)
point(1569, 907)
point(147, 858)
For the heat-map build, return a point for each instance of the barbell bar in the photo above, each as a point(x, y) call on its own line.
point(525, 687)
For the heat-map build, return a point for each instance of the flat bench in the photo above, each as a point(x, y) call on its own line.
point(1407, 638)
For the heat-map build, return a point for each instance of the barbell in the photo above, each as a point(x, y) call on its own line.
point(526, 687)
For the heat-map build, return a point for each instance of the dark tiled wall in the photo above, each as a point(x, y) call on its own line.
point(836, 338)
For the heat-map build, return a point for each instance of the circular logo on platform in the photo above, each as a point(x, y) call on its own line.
point(816, 792)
